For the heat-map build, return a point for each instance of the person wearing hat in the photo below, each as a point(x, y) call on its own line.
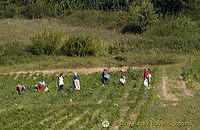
point(76, 83)
point(123, 78)
point(105, 75)
point(60, 82)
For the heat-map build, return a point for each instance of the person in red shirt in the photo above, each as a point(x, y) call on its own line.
point(147, 76)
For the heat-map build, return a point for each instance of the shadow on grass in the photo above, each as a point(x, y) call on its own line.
point(131, 29)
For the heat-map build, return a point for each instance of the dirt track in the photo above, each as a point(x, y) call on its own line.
point(81, 70)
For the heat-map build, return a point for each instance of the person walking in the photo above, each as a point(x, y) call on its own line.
point(123, 78)
point(60, 82)
point(147, 78)
point(76, 83)
point(105, 76)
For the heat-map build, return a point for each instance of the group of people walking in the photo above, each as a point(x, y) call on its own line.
point(76, 83)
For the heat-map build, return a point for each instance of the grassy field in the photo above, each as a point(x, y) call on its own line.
point(23, 29)
point(40, 39)
point(98, 102)
point(143, 53)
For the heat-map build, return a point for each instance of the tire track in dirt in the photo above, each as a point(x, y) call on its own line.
point(165, 94)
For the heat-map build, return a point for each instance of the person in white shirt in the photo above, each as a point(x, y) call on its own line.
point(76, 84)
point(60, 82)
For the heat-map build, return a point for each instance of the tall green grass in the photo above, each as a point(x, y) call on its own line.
point(191, 73)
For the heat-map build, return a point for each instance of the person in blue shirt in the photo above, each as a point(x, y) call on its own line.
point(76, 83)
point(105, 76)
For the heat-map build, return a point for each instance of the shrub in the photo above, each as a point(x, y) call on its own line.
point(13, 53)
point(141, 16)
point(11, 10)
point(82, 45)
point(13, 48)
point(47, 43)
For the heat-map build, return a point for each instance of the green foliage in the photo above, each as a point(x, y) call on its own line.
point(57, 8)
point(11, 49)
point(44, 8)
point(191, 73)
point(172, 6)
point(47, 43)
point(11, 8)
point(40, 9)
point(122, 46)
point(173, 26)
point(82, 45)
point(96, 18)
point(12, 53)
point(176, 44)
point(141, 16)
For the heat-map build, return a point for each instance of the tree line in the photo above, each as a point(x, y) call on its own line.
point(54, 8)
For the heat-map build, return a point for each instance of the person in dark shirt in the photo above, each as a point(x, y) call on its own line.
point(105, 76)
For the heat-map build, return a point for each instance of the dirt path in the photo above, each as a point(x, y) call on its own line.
point(81, 70)
point(165, 94)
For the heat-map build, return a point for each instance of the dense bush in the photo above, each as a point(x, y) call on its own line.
point(13, 48)
point(54, 8)
point(40, 9)
point(82, 45)
point(47, 43)
point(173, 6)
point(141, 16)
point(12, 53)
